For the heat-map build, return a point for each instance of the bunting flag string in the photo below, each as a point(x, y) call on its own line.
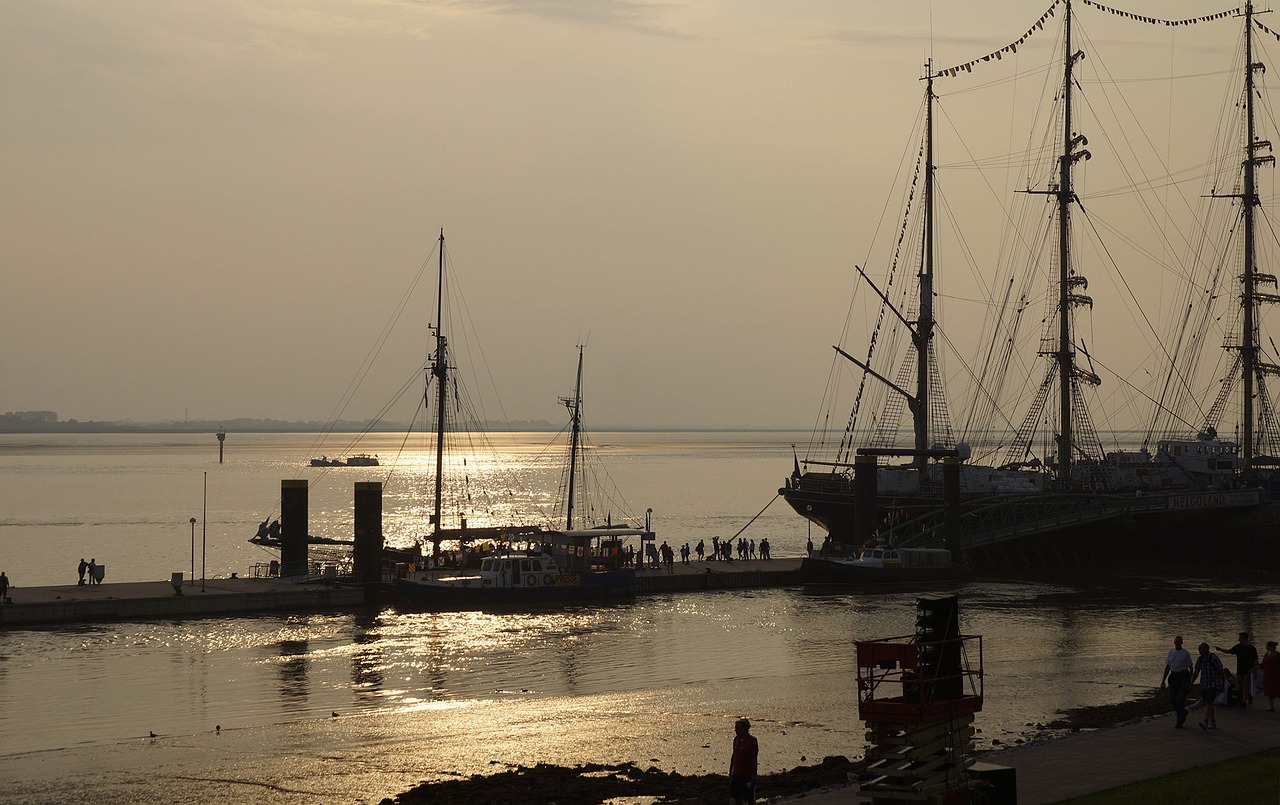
point(1158, 21)
point(1266, 29)
point(1012, 47)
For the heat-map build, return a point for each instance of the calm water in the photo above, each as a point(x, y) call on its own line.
point(428, 696)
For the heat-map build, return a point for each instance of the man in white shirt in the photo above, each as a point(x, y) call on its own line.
point(1177, 673)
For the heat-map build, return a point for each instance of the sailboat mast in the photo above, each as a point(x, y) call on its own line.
point(1065, 356)
point(440, 371)
point(575, 417)
point(1249, 335)
point(925, 325)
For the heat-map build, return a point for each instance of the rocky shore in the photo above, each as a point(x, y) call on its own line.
point(592, 784)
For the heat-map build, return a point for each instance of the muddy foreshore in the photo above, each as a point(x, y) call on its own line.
point(592, 784)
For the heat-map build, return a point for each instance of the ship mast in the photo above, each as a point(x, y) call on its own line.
point(1249, 332)
point(574, 404)
point(922, 334)
point(440, 371)
point(1065, 356)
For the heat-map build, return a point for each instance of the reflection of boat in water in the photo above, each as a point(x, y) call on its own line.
point(358, 460)
point(1204, 437)
point(880, 564)
point(527, 563)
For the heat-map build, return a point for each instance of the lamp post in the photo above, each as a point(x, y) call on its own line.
point(193, 549)
point(204, 530)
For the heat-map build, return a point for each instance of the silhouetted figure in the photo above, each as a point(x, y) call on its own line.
point(93, 571)
point(1246, 660)
point(742, 766)
point(4, 588)
point(1209, 671)
point(84, 568)
point(1177, 672)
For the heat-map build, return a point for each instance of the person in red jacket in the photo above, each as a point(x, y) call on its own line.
point(742, 767)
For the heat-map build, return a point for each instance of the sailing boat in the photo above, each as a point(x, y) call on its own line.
point(1074, 487)
point(527, 564)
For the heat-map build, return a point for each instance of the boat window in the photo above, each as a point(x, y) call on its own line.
point(525, 565)
point(537, 565)
point(486, 565)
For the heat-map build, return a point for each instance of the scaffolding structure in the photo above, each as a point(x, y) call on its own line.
point(918, 695)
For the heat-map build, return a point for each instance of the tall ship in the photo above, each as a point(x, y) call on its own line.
point(513, 563)
point(1040, 481)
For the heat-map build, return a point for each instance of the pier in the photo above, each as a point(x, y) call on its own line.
point(706, 576)
point(143, 600)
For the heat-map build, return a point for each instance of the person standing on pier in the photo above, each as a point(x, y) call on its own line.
point(701, 549)
point(84, 566)
point(4, 587)
point(742, 766)
point(93, 571)
point(668, 557)
point(1177, 672)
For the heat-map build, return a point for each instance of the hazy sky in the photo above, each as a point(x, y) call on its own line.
point(211, 208)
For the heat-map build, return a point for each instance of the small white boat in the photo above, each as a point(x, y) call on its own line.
point(881, 564)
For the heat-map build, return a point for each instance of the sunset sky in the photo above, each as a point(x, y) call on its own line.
point(211, 209)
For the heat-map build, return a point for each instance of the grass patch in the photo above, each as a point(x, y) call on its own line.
point(1249, 778)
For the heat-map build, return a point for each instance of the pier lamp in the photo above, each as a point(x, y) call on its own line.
point(648, 513)
point(193, 549)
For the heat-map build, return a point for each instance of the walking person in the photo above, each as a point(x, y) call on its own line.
point(742, 765)
point(1177, 673)
point(1209, 671)
point(701, 549)
point(84, 566)
point(1246, 661)
point(1271, 675)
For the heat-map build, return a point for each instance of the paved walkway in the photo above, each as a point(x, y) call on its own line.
point(1089, 762)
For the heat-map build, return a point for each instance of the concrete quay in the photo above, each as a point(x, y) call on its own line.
point(142, 600)
point(1099, 760)
point(33, 606)
point(707, 576)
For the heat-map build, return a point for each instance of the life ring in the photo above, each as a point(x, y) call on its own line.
point(547, 579)
point(533, 580)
